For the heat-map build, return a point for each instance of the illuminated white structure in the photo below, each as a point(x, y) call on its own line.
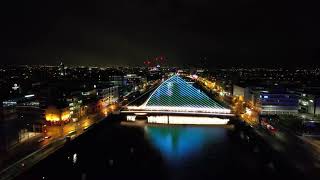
point(131, 118)
point(175, 96)
point(187, 120)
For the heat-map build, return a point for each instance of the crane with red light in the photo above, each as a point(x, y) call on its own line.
point(157, 61)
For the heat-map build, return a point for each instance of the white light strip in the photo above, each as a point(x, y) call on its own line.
point(179, 109)
point(137, 112)
point(131, 118)
point(158, 119)
point(30, 95)
point(187, 120)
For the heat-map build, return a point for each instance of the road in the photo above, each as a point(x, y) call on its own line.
point(300, 151)
point(25, 156)
point(78, 127)
point(296, 151)
point(30, 160)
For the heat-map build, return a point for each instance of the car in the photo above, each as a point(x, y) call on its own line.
point(41, 139)
point(271, 129)
point(47, 137)
point(71, 132)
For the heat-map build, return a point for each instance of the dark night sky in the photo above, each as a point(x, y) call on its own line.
point(227, 32)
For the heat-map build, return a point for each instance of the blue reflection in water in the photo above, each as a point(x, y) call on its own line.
point(177, 144)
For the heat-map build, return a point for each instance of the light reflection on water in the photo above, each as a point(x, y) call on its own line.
point(178, 144)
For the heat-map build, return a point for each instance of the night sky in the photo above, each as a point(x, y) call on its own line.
point(127, 32)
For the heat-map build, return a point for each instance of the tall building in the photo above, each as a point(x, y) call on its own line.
point(62, 71)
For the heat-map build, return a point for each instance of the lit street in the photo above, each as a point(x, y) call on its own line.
point(72, 127)
point(40, 147)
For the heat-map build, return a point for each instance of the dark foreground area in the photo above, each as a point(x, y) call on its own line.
point(112, 151)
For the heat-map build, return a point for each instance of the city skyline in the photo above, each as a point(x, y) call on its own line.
point(159, 89)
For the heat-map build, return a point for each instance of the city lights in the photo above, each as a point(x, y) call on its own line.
point(65, 116)
point(52, 117)
point(161, 89)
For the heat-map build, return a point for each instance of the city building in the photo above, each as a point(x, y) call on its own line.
point(8, 110)
point(273, 102)
point(57, 114)
point(62, 70)
point(309, 102)
point(20, 120)
point(269, 100)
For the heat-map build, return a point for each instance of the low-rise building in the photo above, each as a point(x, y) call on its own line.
point(57, 114)
point(270, 100)
point(8, 110)
point(309, 102)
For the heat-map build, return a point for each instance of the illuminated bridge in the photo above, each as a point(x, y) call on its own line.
point(176, 101)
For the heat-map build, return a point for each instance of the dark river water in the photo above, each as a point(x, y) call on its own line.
point(113, 151)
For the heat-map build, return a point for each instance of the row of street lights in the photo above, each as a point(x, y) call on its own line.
point(241, 108)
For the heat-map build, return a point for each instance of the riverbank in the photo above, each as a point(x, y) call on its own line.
point(39, 150)
point(166, 152)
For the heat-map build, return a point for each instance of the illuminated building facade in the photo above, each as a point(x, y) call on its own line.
point(268, 99)
point(56, 115)
point(278, 102)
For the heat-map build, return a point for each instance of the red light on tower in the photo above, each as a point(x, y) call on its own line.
point(159, 60)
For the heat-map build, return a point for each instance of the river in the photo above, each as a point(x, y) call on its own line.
point(114, 151)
